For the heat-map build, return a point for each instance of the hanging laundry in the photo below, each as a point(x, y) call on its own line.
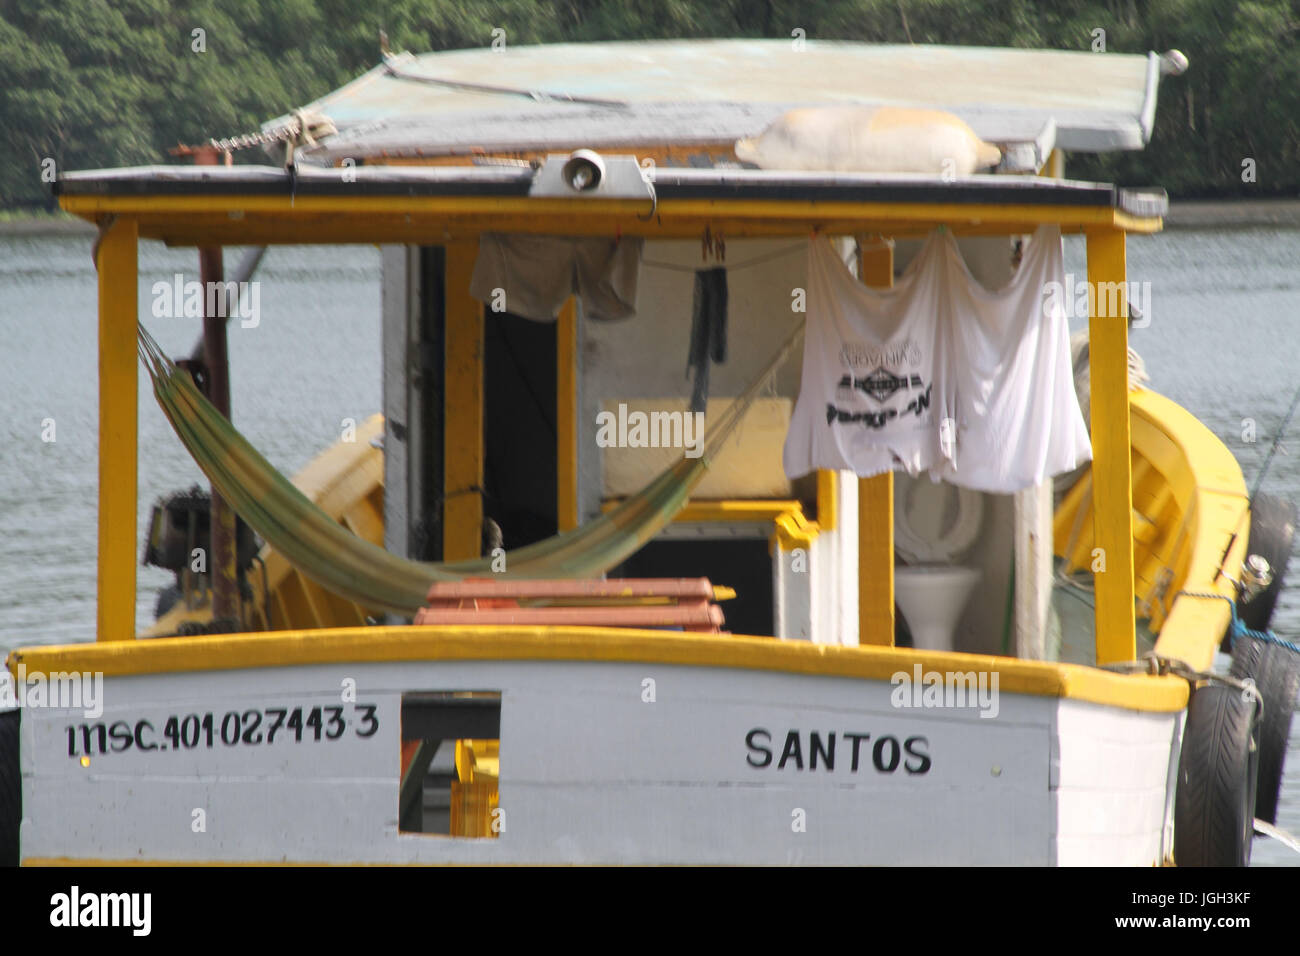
point(869, 365)
point(938, 374)
point(1010, 388)
point(532, 276)
point(708, 331)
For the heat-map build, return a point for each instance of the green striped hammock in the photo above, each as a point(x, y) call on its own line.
point(336, 559)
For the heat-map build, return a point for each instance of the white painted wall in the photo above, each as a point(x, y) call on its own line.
point(592, 773)
point(644, 357)
point(1113, 776)
point(589, 772)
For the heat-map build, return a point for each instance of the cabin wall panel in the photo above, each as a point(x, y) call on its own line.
point(645, 356)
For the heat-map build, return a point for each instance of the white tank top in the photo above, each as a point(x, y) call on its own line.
point(938, 374)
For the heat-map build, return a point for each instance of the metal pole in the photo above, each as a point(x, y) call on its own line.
point(221, 562)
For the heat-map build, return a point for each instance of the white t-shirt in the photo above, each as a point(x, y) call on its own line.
point(938, 374)
point(869, 365)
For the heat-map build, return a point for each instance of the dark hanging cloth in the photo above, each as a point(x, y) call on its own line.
point(708, 330)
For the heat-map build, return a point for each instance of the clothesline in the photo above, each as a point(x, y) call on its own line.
point(756, 260)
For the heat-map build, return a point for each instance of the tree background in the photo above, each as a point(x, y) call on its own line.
point(93, 83)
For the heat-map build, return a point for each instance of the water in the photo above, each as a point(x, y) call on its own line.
point(1222, 342)
point(313, 361)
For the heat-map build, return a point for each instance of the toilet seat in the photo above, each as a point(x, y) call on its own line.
point(920, 507)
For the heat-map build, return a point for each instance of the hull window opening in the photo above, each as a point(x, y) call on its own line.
point(450, 764)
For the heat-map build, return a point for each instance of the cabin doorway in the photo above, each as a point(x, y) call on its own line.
point(520, 449)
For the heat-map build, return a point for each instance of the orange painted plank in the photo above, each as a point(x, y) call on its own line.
point(705, 618)
point(585, 588)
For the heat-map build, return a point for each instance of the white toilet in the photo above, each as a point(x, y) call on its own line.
point(934, 525)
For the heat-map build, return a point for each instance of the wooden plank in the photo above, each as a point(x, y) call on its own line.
point(585, 588)
point(876, 502)
point(1111, 465)
point(462, 521)
point(707, 618)
point(118, 401)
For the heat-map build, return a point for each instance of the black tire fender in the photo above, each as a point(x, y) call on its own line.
point(1276, 673)
point(1215, 797)
point(11, 788)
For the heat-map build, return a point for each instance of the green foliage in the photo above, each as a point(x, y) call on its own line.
point(91, 83)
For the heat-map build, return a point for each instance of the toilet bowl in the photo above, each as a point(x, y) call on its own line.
point(934, 524)
point(932, 597)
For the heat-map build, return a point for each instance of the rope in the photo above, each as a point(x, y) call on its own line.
point(1237, 629)
point(540, 96)
point(1157, 666)
point(1277, 440)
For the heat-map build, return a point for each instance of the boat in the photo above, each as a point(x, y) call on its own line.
point(862, 706)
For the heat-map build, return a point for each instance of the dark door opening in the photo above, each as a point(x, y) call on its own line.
point(519, 469)
point(739, 563)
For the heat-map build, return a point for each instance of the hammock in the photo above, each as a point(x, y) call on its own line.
point(336, 559)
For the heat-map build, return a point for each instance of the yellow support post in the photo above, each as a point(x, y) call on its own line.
point(1112, 480)
point(118, 391)
point(876, 506)
point(1054, 168)
point(828, 499)
point(566, 416)
point(462, 515)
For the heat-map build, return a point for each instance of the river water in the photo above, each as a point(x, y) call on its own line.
point(1222, 341)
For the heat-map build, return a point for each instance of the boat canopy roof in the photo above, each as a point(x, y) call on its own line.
point(693, 93)
point(450, 145)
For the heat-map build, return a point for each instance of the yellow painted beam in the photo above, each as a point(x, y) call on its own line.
point(592, 644)
point(828, 499)
point(462, 517)
point(731, 509)
point(1112, 479)
point(284, 219)
point(876, 504)
point(566, 416)
point(118, 392)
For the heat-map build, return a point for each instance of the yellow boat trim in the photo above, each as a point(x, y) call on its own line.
point(792, 530)
point(828, 498)
point(380, 644)
point(232, 220)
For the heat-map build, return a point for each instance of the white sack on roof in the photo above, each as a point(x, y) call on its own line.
point(867, 139)
point(532, 276)
point(938, 374)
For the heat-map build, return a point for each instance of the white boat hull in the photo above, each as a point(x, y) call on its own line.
point(592, 771)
